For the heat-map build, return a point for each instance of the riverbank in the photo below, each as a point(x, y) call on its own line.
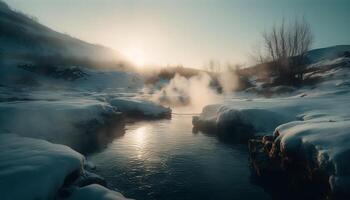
point(40, 128)
point(305, 133)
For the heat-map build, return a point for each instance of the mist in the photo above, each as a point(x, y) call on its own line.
point(228, 81)
point(191, 93)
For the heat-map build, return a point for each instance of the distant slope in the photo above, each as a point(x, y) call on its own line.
point(23, 38)
point(327, 53)
point(314, 56)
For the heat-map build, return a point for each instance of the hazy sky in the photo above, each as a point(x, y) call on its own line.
point(189, 32)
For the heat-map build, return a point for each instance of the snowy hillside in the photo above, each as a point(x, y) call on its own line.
point(328, 53)
point(310, 128)
point(23, 38)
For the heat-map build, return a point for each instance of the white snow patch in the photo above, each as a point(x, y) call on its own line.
point(95, 192)
point(34, 169)
point(139, 107)
point(60, 121)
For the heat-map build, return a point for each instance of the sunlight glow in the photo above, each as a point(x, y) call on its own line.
point(136, 56)
point(140, 135)
point(139, 138)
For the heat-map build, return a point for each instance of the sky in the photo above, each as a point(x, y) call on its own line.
point(187, 32)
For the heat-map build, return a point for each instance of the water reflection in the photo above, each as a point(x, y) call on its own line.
point(165, 160)
point(140, 136)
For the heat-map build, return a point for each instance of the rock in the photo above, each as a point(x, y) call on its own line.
point(302, 176)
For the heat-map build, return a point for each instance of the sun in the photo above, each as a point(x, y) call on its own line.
point(136, 56)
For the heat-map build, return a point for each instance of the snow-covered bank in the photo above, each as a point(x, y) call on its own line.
point(73, 122)
point(312, 155)
point(140, 109)
point(85, 113)
point(31, 168)
point(79, 119)
point(311, 129)
point(36, 169)
point(326, 144)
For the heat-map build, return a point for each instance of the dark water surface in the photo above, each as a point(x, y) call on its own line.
point(165, 160)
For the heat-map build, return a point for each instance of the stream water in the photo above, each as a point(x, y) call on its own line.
point(163, 159)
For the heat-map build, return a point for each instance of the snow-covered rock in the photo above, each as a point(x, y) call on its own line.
point(140, 108)
point(34, 169)
point(239, 122)
point(326, 144)
point(94, 192)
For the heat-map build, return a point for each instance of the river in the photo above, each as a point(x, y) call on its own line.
point(163, 159)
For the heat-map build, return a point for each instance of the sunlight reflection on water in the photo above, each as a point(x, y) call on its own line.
point(164, 160)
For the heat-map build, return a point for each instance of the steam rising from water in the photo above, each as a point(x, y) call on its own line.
point(194, 93)
point(228, 81)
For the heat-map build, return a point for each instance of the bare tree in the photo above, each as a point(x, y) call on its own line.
point(286, 46)
point(257, 55)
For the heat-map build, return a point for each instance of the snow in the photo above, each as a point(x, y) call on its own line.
point(34, 169)
point(24, 37)
point(331, 139)
point(328, 53)
point(61, 121)
point(313, 124)
point(97, 80)
point(94, 192)
point(63, 100)
point(341, 61)
point(141, 108)
point(37, 169)
point(109, 80)
point(68, 117)
point(257, 116)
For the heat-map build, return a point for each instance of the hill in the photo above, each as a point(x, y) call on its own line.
point(22, 38)
point(314, 56)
